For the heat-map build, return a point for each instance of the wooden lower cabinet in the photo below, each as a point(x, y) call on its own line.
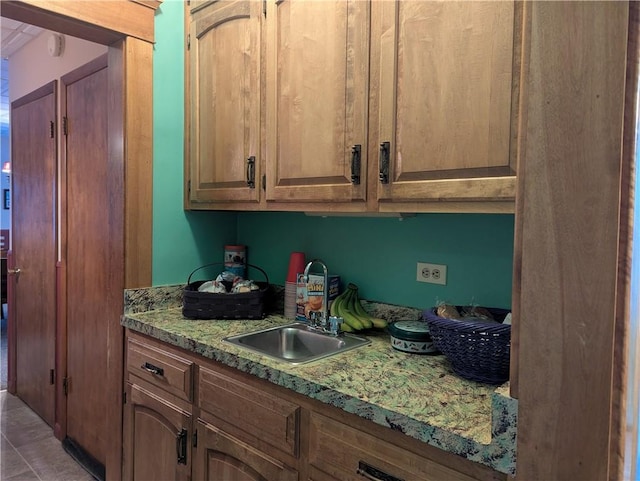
point(232, 426)
point(338, 452)
point(157, 438)
point(255, 415)
point(220, 456)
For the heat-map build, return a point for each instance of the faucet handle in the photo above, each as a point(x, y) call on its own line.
point(316, 317)
point(334, 324)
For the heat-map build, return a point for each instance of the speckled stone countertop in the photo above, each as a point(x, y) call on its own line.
point(415, 394)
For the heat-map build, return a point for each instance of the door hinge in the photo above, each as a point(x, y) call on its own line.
point(264, 8)
point(189, 186)
point(189, 41)
point(65, 385)
point(124, 397)
point(264, 182)
point(52, 376)
point(65, 125)
point(52, 129)
point(194, 439)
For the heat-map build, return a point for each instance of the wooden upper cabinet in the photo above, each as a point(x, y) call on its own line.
point(224, 63)
point(304, 100)
point(195, 5)
point(446, 100)
point(317, 69)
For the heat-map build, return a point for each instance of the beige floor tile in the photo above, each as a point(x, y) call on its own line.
point(26, 476)
point(11, 463)
point(21, 426)
point(29, 451)
point(9, 402)
point(49, 461)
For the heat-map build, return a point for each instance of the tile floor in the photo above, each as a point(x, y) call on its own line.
point(28, 449)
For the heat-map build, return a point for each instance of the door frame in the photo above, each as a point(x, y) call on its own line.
point(126, 27)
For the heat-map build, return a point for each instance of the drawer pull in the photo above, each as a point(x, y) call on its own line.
point(147, 366)
point(374, 474)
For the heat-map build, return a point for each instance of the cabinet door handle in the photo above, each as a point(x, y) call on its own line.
point(355, 164)
point(14, 272)
point(374, 474)
point(181, 446)
point(147, 366)
point(251, 172)
point(385, 152)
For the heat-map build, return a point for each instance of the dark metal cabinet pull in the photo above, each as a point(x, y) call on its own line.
point(374, 474)
point(181, 446)
point(147, 366)
point(251, 172)
point(385, 152)
point(355, 164)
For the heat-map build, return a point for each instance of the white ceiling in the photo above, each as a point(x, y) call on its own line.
point(14, 36)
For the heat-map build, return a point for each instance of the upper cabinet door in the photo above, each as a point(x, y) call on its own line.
point(446, 100)
point(224, 70)
point(317, 92)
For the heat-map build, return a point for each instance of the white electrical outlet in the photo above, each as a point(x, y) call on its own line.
point(432, 273)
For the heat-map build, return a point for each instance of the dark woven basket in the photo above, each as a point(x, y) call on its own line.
point(210, 305)
point(478, 351)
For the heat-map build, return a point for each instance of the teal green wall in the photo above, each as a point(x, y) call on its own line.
point(182, 240)
point(378, 254)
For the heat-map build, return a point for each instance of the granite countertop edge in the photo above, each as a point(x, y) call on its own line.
point(499, 454)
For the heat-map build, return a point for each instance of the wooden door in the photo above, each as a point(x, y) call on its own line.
point(93, 254)
point(33, 162)
point(220, 456)
point(224, 53)
point(157, 438)
point(444, 92)
point(317, 100)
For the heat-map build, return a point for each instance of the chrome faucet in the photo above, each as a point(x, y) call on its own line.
point(322, 320)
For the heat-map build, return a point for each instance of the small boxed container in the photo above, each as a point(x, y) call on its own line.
point(309, 294)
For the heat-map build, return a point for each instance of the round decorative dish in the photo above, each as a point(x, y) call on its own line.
point(412, 337)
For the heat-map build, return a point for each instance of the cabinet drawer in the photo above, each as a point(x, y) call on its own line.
point(161, 368)
point(338, 451)
point(250, 409)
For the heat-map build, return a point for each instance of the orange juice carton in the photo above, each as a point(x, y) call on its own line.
point(309, 294)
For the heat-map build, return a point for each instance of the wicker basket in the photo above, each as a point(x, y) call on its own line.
point(478, 351)
point(209, 305)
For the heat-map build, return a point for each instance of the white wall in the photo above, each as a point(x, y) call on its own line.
point(31, 67)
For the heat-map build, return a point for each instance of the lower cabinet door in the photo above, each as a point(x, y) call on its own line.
point(157, 438)
point(219, 456)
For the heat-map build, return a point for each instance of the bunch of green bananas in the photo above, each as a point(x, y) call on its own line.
point(347, 305)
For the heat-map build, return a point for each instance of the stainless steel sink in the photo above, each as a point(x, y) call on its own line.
point(296, 343)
